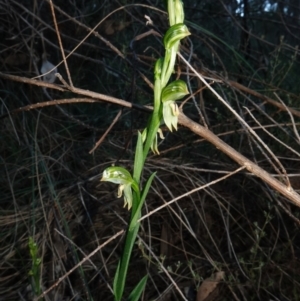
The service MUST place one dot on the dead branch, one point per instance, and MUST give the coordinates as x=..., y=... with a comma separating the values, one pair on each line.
x=201, y=131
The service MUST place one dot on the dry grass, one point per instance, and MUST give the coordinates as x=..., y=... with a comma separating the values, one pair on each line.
x=50, y=187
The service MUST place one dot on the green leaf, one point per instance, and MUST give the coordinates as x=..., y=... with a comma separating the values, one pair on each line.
x=137, y=215
x=137, y=291
x=147, y=187
x=174, y=34
x=116, y=288
x=139, y=158
x=119, y=281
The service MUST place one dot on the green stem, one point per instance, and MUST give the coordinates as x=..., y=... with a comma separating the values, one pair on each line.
x=162, y=73
x=119, y=283
x=169, y=63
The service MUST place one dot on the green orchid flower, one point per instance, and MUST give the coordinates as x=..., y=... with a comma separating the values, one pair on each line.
x=171, y=42
x=121, y=176
x=154, y=145
x=170, y=112
x=170, y=94
x=176, y=12
x=127, y=194
x=174, y=34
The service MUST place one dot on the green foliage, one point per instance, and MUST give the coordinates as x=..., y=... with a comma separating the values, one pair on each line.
x=35, y=271
x=164, y=96
x=138, y=290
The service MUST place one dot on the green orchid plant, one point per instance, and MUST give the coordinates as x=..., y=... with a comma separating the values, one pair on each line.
x=35, y=271
x=165, y=111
